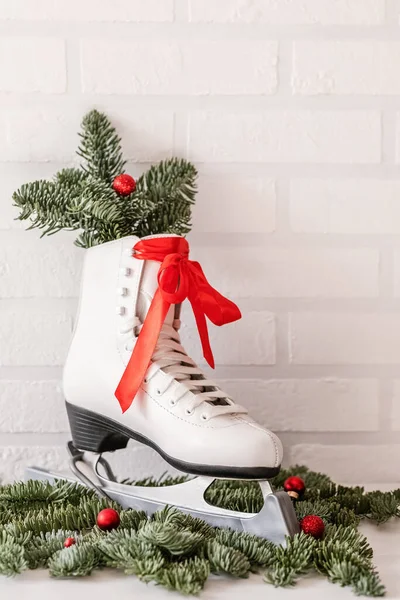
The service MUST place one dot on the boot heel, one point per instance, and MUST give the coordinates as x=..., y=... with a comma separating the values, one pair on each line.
x=93, y=432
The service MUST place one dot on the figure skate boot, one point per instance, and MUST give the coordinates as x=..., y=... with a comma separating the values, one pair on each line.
x=127, y=376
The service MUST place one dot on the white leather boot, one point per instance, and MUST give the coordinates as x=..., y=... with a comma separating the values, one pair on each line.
x=177, y=410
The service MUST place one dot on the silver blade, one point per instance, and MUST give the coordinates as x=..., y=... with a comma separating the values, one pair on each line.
x=275, y=521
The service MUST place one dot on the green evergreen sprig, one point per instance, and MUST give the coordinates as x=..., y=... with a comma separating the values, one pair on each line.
x=179, y=551
x=83, y=198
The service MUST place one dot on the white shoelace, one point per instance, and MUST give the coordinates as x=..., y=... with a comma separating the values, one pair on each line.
x=170, y=357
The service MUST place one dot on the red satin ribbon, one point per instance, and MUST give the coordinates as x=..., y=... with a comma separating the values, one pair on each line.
x=178, y=278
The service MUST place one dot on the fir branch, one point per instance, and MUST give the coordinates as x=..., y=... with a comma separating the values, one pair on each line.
x=170, y=538
x=76, y=561
x=125, y=550
x=322, y=508
x=132, y=519
x=44, y=546
x=84, y=199
x=368, y=584
x=224, y=559
x=47, y=205
x=383, y=506
x=37, y=517
x=12, y=558
x=82, y=516
x=172, y=516
x=164, y=480
x=187, y=577
x=23, y=493
x=290, y=562
x=243, y=496
x=100, y=147
x=169, y=190
x=259, y=552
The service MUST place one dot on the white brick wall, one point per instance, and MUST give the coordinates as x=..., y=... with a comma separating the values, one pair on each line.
x=352, y=206
x=341, y=67
x=124, y=11
x=39, y=68
x=289, y=12
x=290, y=110
x=167, y=68
x=285, y=136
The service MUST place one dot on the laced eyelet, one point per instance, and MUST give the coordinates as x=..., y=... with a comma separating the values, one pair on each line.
x=204, y=417
x=158, y=392
x=172, y=402
x=145, y=380
x=189, y=412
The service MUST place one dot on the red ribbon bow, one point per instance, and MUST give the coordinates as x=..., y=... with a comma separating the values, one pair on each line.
x=178, y=278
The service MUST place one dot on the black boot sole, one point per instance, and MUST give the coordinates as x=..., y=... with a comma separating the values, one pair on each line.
x=95, y=433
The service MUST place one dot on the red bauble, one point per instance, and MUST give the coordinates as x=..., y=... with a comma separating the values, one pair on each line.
x=294, y=486
x=124, y=184
x=70, y=541
x=108, y=519
x=313, y=525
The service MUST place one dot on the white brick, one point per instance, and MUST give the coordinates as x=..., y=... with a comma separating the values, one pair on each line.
x=291, y=272
x=354, y=206
x=309, y=404
x=45, y=134
x=349, y=464
x=235, y=204
x=32, y=335
x=171, y=68
x=89, y=10
x=396, y=272
x=395, y=414
x=32, y=406
x=250, y=341
x=286, y=136
x=357, y=338
x=32, y=65
x=342, y=67
x=15, y=459
x=289, y=12
x=37, y=134
x=398, y=138
x=39, y=268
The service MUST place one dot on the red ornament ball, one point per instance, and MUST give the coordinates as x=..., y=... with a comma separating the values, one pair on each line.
x=108, y=519
x=124, y=184
x=70, y=541
x=313, y=525
x=294, y=486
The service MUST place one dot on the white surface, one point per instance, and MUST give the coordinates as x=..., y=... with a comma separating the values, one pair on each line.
x=108, y=584
x=290, y=108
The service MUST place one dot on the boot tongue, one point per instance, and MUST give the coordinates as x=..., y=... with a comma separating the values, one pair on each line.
x=148, y=288
x=143, y=305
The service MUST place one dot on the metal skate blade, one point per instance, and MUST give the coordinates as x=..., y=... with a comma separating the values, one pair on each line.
x=275, y=521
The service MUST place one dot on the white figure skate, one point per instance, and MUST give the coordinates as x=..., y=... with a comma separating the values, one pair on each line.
x=127, y=332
